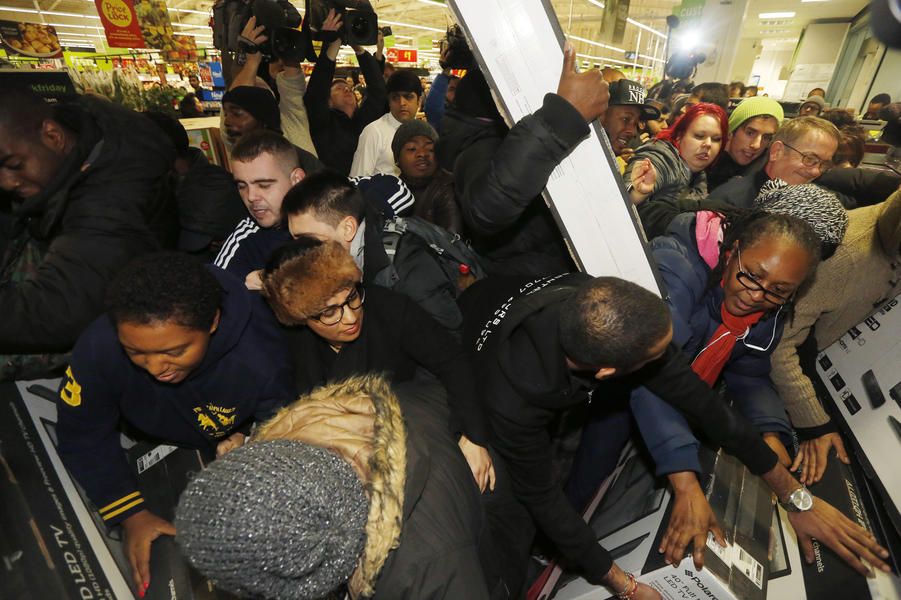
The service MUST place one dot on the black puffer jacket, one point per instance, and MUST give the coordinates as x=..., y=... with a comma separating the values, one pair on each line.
x=499, y=180
x=100, y=211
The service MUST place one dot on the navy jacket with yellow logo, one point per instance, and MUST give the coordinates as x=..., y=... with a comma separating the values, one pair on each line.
x=245, y=376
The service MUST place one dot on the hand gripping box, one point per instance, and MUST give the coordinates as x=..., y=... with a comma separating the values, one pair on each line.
x=630, y=514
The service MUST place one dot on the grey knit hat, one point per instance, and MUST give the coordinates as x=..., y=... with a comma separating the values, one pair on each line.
x=411, y=129
x=277, y=519
x=809, y=202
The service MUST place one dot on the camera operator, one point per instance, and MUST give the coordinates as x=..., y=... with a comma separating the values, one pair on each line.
x=290, y=82
x=335, y=120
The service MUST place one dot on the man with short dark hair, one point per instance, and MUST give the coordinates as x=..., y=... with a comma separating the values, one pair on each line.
x=373, y=154
x=878, y=102
x=335, y=120
x=265, y=166
x=712, y=92
x=88, y=180
x=545, y=346
x=327, y=206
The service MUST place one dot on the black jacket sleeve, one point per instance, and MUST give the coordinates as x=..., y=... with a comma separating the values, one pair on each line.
x=376, y=102
x=672, y=379
x=434, y=348
x=319, y=88
x=498, y=184
x=865, y=186
x=521, y=438
x=88, y=433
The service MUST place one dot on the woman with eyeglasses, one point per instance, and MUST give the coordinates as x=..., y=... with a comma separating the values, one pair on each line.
x=668, y=175
x=730, y=280
x=338, y=329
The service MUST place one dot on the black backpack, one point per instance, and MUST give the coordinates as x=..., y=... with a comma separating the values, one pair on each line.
x=425, y=264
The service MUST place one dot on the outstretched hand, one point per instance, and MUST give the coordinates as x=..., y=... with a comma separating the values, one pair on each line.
x=831, y=528
x=587, y=92
x=813, y=456
x=253, y=33
x=689, y=522
x=140, y=530
x=643, y=179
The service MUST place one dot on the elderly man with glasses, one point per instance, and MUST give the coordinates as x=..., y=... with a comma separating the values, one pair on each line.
x=800, y=152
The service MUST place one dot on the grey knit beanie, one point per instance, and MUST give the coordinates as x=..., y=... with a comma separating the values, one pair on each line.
x=277, y=519
x=411, y=129
x=809, y=202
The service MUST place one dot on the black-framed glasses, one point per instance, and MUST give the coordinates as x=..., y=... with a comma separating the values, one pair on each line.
x=333, y=314
x=750, y=283
x=809, y=159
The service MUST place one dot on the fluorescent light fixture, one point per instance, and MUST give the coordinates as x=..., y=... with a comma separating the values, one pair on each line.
x=398, y=24
x=596, y=3
x=32, y=11
x=434, y=3
x=777, y=15
x=804, y=1
x=612, y=60
x=593, y=43
x=189, y=26
x=73, y=26
x=645, y=27
x=193, y=12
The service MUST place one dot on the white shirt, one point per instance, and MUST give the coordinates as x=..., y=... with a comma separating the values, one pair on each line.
x=373, y=153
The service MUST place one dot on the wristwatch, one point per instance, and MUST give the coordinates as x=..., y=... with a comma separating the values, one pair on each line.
x=799, y=500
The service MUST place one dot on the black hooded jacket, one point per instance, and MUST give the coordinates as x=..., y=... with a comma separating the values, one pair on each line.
x=109, y=202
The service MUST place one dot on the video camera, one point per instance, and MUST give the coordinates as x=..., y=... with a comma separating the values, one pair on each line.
x=682, y=65
x=360, y=23
x=280, y=19
x=455, y=50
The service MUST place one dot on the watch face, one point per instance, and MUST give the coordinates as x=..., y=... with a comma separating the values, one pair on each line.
x=801, y=499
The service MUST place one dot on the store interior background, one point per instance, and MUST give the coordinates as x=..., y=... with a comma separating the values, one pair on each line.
x=785, y=47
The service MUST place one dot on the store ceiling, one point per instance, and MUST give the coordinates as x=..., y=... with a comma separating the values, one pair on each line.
x=77, y=20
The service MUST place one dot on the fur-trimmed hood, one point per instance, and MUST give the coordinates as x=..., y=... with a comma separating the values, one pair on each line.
x=360, y=420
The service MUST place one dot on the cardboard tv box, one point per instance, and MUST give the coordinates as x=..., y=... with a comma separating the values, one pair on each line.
x=630, y=514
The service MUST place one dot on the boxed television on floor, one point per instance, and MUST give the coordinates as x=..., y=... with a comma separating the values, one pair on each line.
x=630, y=514
x=861, y=374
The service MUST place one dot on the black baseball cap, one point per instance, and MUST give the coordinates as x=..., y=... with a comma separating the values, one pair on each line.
x=631, y=93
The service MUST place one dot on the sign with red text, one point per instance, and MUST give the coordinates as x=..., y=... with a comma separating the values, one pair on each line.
x=398, y=55
x=120, y=23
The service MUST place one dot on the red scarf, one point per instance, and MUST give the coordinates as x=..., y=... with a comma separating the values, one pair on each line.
x=709, y=363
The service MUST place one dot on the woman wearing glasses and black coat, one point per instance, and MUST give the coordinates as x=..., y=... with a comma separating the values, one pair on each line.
x=730, y=280
x=338, y=329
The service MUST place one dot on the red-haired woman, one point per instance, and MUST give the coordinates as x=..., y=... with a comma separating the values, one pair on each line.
x=666, y=177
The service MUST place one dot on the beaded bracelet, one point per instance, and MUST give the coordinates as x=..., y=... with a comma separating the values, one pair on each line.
x=630, y=590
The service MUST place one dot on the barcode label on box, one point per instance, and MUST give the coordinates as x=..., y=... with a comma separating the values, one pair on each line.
x=154, y=456
x=748, y=565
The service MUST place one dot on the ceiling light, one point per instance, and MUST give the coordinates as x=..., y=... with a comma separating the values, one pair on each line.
x=32, y=11
x=596, y=3
x=193, y=12
x=593, y=43
x=75, y=26
x=777, y=15
x=612, y=60
x=803, y=1
x=398, y=24
x=645, y=27
x=190, y=26
x=434, y=3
